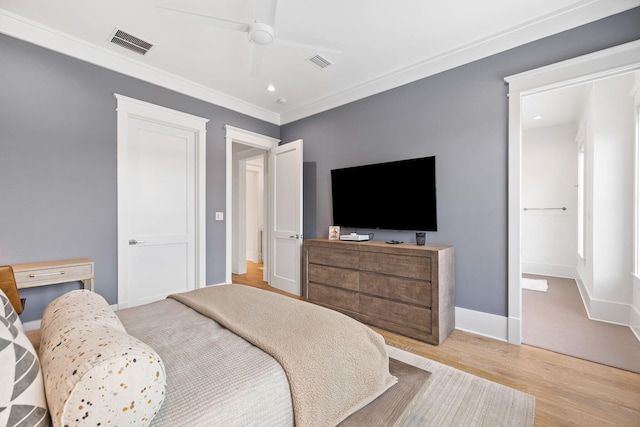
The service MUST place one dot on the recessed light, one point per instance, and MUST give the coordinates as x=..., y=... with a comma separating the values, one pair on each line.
x=537, y=117
x=271, y=88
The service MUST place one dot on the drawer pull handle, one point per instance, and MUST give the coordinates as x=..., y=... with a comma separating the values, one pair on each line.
x=57, y=273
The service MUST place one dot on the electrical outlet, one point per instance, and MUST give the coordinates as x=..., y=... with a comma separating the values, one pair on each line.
x=219, y=216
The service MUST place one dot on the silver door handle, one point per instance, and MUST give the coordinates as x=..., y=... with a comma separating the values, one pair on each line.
x=296, y=236
x=135, y=242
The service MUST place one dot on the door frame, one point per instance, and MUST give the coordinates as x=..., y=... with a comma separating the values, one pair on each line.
x=605, y=63
x=250, y=139
x=128, y=108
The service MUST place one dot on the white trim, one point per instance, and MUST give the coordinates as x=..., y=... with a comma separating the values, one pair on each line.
x=252, y=139
x=580, y=13
x=479, y=323
x=132, y=108
x=604, y=311
x=33, y=324
x=554, y=270
x=605, y=63
x=634, y=311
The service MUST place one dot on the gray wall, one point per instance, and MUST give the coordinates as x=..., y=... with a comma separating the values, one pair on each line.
x=58, y=163
x=461, y=117
x=58, y=156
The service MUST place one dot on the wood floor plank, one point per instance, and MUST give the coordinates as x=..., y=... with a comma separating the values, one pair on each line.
x=568, y=391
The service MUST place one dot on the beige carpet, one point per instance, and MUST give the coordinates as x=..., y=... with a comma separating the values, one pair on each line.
x=456, y=398
x=556, y=320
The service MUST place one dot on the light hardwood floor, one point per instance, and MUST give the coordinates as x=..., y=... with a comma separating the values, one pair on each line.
x=568, y=391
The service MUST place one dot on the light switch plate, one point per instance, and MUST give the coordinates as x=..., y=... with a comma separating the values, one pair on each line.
x=219, y=216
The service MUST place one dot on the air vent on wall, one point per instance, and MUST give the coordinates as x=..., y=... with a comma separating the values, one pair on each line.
x=319, y=61
x=130, y=42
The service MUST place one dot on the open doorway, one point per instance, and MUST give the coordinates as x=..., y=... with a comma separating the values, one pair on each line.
x=283, y=197
x=249, y=207
x=244, y=146
x=577, y=181
x=599, y=65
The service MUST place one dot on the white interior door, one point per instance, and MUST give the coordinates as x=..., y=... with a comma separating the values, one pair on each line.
x=160, y=209
x=285, y=171
x=161, y=218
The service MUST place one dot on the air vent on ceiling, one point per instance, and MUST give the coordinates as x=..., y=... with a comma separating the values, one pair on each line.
x=319, y=61
x=130, y=42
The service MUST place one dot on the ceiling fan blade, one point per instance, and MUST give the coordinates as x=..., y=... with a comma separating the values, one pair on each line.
x=256, y=59
x=209, y=20
x=266, y=11
x=291, y=39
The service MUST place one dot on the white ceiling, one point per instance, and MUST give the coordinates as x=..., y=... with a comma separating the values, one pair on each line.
x=382, y=44
x=556, y=107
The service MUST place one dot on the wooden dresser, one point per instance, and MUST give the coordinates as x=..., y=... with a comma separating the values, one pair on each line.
x=402, y=288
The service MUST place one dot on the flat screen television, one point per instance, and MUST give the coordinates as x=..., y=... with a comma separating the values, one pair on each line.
x=398, y=195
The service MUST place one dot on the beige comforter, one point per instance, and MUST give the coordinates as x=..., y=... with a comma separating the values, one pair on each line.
x=335, y=365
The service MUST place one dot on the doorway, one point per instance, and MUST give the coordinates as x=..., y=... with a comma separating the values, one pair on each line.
x=577, y=158
x=599, y=65
x=249, y=207
x=243, y=145
x=283, y=195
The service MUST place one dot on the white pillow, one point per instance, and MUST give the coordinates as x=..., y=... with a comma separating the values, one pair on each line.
x=94, y=372
x=22, y=396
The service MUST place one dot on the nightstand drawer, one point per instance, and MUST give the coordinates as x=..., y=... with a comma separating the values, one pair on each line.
x=48, y=273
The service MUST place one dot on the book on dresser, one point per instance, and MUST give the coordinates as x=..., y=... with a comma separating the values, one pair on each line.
x=403, y=288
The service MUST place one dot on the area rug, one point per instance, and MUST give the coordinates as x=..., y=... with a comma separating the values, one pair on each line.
x=456, y=398
x=539, y=285
x=557, y=320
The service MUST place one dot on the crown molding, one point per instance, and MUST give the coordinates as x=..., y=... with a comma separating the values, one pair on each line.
x=580, y=13
x=33, y=32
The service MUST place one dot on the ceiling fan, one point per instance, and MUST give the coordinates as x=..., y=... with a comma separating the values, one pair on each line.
x=260, y=32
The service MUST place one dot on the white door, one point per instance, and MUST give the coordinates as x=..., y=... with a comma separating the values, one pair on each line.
x=285, y=172
x=160, y=210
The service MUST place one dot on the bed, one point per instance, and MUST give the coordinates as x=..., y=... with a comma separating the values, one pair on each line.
x=225, y=355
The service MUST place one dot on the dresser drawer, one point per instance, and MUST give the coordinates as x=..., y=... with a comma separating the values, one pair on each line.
x=336, y=258
x=338, y=277
x=411, y=291
x=418, y=318
x=333, y=297
x=396, y=265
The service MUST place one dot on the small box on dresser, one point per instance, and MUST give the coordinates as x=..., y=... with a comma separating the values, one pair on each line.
x=404, y=288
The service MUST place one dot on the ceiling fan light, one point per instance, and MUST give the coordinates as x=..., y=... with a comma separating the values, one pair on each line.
x=260, y=33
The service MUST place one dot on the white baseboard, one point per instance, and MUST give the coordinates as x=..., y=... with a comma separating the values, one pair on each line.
x=553, y=270
x=604, y=311
x=33, y=324
x=479, y=323
x=634, y=321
